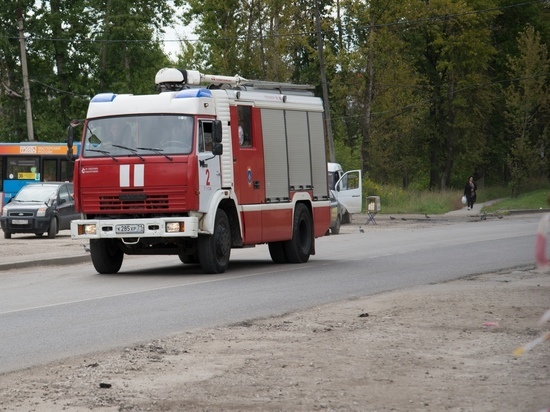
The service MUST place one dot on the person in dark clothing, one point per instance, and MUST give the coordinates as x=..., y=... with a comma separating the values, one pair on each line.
x=470, y=192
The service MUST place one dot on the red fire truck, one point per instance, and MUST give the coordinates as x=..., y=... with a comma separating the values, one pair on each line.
x=208, y=164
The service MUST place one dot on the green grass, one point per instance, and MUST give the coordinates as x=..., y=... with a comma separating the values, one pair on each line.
x=398, y=201
x=537, y=199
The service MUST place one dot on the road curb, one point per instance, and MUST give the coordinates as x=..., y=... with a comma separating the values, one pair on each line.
x=70, y=260
x=525, y=211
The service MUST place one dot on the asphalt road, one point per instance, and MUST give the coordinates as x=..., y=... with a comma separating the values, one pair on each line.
x=48, y=313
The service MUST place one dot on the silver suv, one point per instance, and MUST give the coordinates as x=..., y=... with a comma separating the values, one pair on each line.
x=39, y=208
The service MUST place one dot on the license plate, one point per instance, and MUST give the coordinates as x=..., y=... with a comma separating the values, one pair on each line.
x=130, y=228
x=20, y=222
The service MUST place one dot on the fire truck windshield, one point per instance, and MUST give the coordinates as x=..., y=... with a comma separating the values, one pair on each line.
x=143, y=135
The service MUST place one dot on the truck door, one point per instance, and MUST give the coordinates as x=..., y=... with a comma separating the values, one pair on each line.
x=209, y=166
x=248, y=159
x=349, y=191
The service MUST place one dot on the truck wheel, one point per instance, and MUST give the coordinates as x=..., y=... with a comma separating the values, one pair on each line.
x=336, y=228
x=277, y=252
x=52, y=230
x=214, y=250
x=106, y=255
x=7, y=235
x=299, y=248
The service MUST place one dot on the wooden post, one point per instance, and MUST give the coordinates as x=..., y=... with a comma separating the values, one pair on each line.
x=26, y=88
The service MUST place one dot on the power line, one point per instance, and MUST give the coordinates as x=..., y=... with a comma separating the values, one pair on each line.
x=59, y=90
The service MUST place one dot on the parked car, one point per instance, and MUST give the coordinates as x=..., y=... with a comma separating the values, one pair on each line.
x=336, y=214
x=39, y=208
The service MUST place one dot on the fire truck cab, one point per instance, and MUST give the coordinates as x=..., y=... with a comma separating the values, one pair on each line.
x=208, y=164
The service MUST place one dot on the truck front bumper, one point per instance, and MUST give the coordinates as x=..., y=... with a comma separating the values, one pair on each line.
x=135, y=228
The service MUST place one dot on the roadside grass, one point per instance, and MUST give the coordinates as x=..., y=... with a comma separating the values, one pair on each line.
x=398, y=201
x=537, y=199
x=395, y=200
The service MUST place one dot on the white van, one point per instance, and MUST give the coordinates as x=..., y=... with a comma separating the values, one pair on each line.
x=347, y=189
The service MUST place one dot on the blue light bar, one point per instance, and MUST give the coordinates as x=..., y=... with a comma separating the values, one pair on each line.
x=193, y=93
x=103, y=97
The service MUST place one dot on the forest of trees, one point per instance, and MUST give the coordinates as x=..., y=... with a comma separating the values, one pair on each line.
x=423, y=93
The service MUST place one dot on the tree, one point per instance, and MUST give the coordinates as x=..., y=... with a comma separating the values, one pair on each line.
x=263, y=40
x=454, y=60
x=528, y=109
x=12, y=113
x=72, y=47
x=129, y=56
x=512, y=20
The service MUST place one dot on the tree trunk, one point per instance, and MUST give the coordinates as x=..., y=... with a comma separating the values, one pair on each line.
x=368, y=104
x=450, y=137
x=59, y=55
x=104, y=45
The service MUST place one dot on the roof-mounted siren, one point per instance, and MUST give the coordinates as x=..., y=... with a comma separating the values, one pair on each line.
x=169, y=79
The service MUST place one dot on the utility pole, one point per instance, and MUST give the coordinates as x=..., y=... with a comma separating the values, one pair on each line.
x=26, y=88
x=326, y=103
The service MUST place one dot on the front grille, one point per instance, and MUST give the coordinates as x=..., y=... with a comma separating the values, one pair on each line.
x=21, y=214
x=150, y=201
x=113, y=203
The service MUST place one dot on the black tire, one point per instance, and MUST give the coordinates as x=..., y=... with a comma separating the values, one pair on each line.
x=214, y=250
x=7, y=235
x=39, y=234
x=336, y=229
x=106, y=255
x=52, y=230
x=346, y=218
x=298, y=249
x=277, y=252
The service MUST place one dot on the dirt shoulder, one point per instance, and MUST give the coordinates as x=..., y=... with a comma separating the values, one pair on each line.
x=432, y=348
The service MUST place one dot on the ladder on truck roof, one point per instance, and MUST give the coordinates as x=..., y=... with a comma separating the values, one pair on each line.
x=170, y=79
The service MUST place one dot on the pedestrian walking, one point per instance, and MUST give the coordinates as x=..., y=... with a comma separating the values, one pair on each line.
x=470, y=192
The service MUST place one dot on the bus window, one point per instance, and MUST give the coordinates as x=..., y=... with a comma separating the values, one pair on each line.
x=67, y=170
x=50, y=170
x=23, y=168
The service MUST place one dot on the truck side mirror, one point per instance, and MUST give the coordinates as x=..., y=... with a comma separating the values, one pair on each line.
x=217, y=131
x=70, y=144
x=217, y=149
x=70, y=139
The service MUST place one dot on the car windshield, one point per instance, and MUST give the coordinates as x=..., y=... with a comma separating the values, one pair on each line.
x=138, y=135
x=37, y=193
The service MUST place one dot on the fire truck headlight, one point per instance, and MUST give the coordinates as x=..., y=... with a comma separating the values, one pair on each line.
x=174, y=227
x=89, y=229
